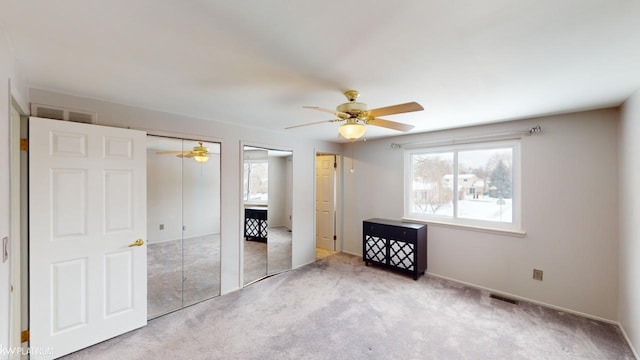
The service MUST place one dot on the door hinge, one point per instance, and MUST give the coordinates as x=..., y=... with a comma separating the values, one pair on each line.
x=24, y=144
x=335, y=237
x=335, y=165
x=24, y=336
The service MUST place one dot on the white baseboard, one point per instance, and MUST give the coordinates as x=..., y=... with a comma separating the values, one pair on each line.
x=351, y=253
x=624, y=333
x=522, y=298
x=305, y=264
x=178, y=239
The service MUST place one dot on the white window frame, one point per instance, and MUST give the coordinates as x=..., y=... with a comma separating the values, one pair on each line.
x=513, y=226
x=245, y=191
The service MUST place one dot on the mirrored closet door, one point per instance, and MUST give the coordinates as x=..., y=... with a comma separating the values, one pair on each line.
x=183, y=223
x=267, y=216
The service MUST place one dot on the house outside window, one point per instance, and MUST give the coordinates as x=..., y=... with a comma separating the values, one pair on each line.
x=471, y=184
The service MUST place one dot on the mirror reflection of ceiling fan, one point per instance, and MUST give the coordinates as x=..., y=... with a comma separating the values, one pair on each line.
x=357, y=116
x=200, y=153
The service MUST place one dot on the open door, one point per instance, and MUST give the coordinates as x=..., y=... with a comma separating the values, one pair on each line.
x=326, y=202
x=87, y=226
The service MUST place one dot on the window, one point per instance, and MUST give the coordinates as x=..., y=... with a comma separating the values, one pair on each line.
x=473, y=184
x=256, y=181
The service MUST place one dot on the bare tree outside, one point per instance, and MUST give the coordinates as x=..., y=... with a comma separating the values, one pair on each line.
x=431, y=192
x=488, y=198
x=481, y=184
x=256, y=180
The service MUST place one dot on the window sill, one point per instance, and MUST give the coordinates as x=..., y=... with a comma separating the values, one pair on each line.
x=506, y=232
x=255, y=204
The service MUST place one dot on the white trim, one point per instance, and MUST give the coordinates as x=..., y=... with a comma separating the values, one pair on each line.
x=490, y=230
x=15, y=236
x=454, y=220
x=241, y=243
x=624, y=333
x=178, y=135
x=351, y=253
x=509, y=135
x=522, y=298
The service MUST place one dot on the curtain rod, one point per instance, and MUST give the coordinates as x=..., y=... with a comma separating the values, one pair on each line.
x=510, y=135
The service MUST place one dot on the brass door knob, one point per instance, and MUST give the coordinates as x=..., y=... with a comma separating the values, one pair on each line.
x=138, y=242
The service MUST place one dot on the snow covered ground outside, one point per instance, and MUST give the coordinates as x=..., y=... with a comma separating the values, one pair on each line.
x=486, y=208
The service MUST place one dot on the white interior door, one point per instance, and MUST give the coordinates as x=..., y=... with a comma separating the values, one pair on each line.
x=325, y=202
x=87, y=204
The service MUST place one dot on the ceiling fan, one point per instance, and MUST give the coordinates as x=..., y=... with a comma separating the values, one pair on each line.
x=200, y=153
x=356, y=116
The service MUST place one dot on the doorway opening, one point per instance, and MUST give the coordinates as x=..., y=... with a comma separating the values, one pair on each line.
x=328, y=241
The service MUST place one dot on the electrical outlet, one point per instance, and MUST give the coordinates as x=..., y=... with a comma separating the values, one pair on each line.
x=537, y=274
x=161, y=226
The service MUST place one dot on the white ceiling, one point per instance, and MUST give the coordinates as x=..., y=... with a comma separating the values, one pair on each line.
x=256, y=63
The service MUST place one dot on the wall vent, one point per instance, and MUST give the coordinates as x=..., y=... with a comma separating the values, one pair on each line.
x=60, y=113
x=503, y=298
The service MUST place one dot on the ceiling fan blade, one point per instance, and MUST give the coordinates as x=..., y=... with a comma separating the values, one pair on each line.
x=313, y=123
x=390, y=124
x=396, y=109
x=186, y=155
x=339, y=114
x=170, y=152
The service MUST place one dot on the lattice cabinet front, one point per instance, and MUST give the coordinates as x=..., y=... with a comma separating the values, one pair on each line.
x=255, y=224
x=375, y=248
x=394, y=244
x=401, y=254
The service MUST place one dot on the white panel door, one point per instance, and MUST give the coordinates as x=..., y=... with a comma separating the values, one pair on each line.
x=325, y=202
x=87, y=205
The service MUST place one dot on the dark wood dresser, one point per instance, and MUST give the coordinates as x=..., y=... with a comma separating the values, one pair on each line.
x=255, y=223
x=395, y=244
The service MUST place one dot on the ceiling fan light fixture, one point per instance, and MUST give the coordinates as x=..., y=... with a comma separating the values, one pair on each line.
x=201, y=158
x=352, y=130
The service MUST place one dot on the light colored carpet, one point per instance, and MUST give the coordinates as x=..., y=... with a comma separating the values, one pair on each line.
x=181, y=273
x=255, y=261
x=336, y=308
x=278, y=250
x=271, y=257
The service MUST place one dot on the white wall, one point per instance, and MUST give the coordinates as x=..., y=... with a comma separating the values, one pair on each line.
x=230, y=137
x=201, y=197
x=11, y=84
x=629, y=215
x=182, y=193
x=277, y=191
x=569, y=211
x=164, y=197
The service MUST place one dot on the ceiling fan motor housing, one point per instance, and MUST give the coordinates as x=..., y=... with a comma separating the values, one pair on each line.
x=357, y=110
